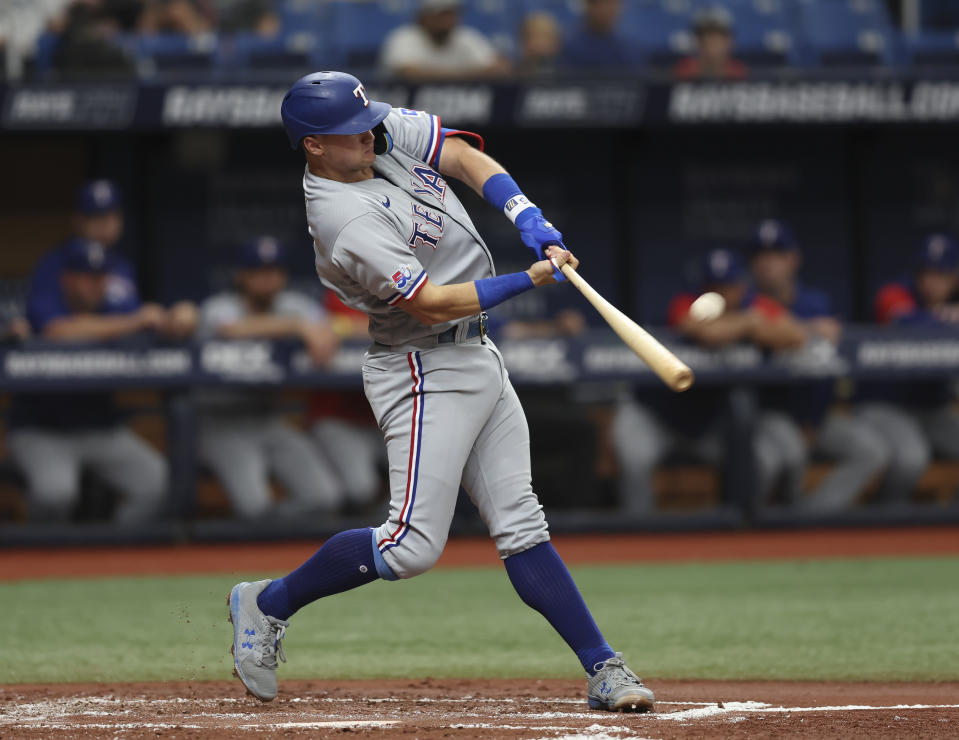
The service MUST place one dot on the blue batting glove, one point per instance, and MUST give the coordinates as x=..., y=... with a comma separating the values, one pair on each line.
x=538, y=233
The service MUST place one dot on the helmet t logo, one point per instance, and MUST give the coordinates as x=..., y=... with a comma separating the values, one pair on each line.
x=360, y=92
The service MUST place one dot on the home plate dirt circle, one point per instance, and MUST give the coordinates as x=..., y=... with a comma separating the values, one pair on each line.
x=477, y=709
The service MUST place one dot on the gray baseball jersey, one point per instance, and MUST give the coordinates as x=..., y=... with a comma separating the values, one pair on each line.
x=378, y=241
x=447, y=410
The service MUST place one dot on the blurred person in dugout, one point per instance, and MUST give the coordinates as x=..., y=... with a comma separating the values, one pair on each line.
x=98, y=217
x=243, y=437
x=860, y=453
x=438, y=47
x=650, y=425
x=598, y=42
x=343, y=424
x=55, y=436
x=713, y=30
x=916, y=418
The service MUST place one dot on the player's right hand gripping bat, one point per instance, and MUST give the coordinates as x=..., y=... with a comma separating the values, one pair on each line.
x=661, y=361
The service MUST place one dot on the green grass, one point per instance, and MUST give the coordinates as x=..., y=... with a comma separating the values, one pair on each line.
x=876, y=619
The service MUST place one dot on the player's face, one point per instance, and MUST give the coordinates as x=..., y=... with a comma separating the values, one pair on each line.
x=105, y=228
x=347, y=157
x=775, y=269
x=262, y=284
x=84, y=292
x=936, y=287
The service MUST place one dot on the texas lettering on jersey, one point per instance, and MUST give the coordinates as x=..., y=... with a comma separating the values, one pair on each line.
x=427, y=181
x=427, y=227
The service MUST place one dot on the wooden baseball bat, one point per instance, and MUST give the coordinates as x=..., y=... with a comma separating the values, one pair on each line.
x=661, y=361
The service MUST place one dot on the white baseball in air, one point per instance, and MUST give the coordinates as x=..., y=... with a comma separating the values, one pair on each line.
x=707, y=307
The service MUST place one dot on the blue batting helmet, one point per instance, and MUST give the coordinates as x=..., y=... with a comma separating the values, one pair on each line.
x=331, y=103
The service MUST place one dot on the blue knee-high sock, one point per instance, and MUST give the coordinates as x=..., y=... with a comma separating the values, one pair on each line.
x=541, y=579
x=345, y=561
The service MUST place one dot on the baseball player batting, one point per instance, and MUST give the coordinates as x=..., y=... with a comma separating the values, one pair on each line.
x=393, y=240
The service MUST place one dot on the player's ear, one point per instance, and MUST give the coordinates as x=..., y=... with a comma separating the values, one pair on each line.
x=312, y=146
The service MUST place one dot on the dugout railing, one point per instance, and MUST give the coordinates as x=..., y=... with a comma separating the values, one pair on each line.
x=576, y=374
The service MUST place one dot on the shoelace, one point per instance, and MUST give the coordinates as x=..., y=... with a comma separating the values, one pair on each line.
x=614, y=678
x=270, y=644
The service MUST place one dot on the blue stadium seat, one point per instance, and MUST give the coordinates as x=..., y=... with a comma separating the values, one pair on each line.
x=849, y=32
x=497, y=20
x=172, y=52
x=45, y=48
x=360, y=26
x=252, y=51
x=661, y=30
x=933, y=48
x=764, y=31
x=939, y=14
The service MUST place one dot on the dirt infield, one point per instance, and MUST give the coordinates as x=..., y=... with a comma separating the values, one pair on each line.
x=460, y=708
x=478, y=709
x=17, y=564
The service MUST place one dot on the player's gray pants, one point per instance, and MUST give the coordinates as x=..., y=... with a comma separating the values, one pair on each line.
x=354, y=451
x=451, y=417
x=860, y=455
x=641, y=441
x=908, y=448
x=782, y=453
x=243, y=451
x=52, y=462
x=941, y=426
x=912, y=436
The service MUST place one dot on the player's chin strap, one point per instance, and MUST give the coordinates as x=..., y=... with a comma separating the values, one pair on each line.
x=382, y=141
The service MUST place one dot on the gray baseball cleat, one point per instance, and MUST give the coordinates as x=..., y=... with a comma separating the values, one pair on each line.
x=615, y=688
x=256, y=640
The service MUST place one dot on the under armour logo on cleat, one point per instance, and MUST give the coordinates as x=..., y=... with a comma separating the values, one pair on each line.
x=604, y=689
x=249, y=632
x=247, y=645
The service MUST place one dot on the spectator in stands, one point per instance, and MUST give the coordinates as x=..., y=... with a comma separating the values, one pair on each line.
x=713, y=28
x=540, y=44
x=174, y=16
x=649, y=428
x=87, y=48
x=54, y=436
x=98, y=216
x=438, y=47
x=243, y=437
x=258, y=16
x=343, y=424
x=917, y=419
x=861, y=455
x=598, y=43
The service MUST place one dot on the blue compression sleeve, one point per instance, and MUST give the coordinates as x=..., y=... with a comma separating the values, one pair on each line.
x=499, y=189
x=494, y=290
x=502, y=191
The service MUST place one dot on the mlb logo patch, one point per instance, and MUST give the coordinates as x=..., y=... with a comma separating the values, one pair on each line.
x=401, y=277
